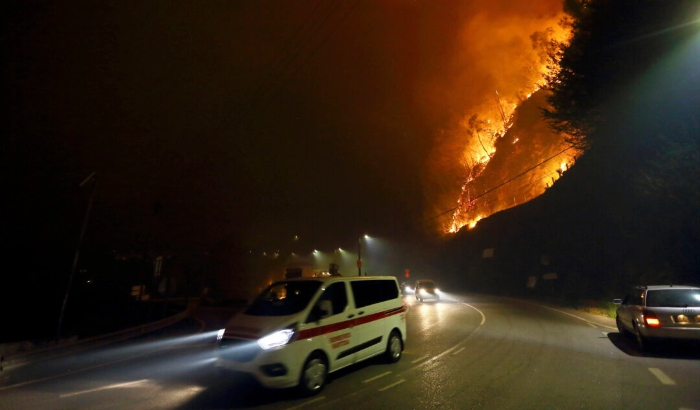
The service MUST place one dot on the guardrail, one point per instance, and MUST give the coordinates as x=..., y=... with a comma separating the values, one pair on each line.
x=16, y=354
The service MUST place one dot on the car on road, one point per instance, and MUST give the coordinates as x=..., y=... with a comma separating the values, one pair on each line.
x=299, y=330
x=426, y=289
x=655, y=313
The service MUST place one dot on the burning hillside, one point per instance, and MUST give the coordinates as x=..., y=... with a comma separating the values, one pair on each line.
x=500, y=152
x=523, y=162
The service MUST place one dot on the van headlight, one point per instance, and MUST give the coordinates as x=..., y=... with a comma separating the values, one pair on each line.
x=276, y=339
x=220, y=334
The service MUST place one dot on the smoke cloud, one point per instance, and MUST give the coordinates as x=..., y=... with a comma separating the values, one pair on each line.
x=498, y=61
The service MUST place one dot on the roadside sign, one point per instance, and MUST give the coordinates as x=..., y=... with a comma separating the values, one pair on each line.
x=157, y=266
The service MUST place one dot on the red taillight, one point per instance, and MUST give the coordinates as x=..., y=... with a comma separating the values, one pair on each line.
x=650, y=319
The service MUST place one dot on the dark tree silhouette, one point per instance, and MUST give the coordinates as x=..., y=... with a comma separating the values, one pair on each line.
x=628, y=92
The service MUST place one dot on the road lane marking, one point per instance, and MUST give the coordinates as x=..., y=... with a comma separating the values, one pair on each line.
x=392, y=385
x=419, y=359
x=663, y=378
x=111, y=386
x=483, y=317
x=379, y=376
x=431, y=365
x=592, y=325
x=306, y=403
x=432, y=362
x=572, y=315
x=458, y=351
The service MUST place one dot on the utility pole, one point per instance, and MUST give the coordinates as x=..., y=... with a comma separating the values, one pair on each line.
x=92, y=177
x=359, y=256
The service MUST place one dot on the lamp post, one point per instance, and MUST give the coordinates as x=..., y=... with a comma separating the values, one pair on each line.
x=91, y=178
x=359, y=256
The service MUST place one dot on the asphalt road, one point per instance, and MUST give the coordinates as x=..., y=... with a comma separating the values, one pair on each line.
x=464, y=352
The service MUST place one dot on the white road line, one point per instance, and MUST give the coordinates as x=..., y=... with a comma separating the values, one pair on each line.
x=483, y=317
x=458, y=351
x=419, y=359
x=663, y=378
x=430, y=363
x=577, y=317
x=392, y=385
x=379, y=376
x=111, y=386
x=306, y=403
x=592, y=325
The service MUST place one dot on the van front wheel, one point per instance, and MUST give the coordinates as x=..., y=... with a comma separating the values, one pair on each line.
x=313, y=375
x=394, y=347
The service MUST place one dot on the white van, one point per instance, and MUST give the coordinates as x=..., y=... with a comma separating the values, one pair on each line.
x=299, y=330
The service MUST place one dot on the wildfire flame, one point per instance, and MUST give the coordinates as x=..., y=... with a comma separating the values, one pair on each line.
x=509, y=154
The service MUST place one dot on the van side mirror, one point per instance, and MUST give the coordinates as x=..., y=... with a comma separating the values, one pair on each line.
x=617, y=301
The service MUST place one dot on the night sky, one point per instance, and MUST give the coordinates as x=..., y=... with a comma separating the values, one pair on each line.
x=254, y=120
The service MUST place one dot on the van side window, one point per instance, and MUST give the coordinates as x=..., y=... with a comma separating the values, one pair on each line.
x=332, y=301
x=338, y=296
x=369, y=292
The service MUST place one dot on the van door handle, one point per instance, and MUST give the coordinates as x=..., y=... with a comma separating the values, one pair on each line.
x=361, y=313
x=351, y=316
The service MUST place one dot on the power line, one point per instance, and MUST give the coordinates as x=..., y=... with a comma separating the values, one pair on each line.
x=503, y=183
x=524, y=186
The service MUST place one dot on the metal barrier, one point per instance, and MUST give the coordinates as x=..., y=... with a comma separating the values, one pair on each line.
x=27, y=351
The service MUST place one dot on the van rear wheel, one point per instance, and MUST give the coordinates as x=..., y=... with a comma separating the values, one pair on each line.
x=313, y=375
x=394, y=347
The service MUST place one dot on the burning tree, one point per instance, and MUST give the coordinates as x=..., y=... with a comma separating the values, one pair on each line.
x=506, y=159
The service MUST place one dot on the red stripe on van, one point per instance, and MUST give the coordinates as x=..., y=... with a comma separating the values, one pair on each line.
x=322, y=330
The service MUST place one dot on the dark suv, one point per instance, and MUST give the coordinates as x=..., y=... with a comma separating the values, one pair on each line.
x=652, y=313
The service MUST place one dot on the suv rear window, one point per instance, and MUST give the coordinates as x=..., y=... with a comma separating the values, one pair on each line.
x=673, y=298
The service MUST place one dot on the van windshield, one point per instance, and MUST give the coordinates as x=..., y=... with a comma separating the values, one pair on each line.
x=283, y=298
